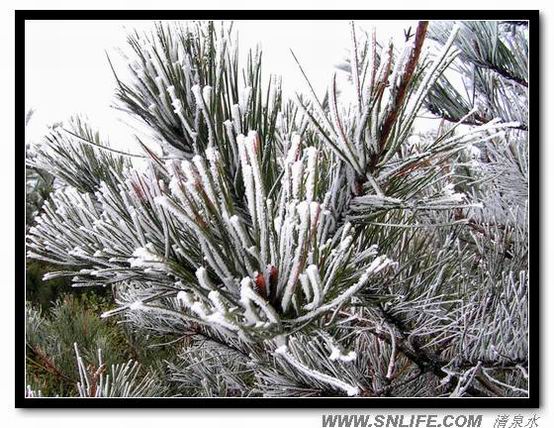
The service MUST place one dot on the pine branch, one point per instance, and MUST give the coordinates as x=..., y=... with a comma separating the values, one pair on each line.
x=405, y=80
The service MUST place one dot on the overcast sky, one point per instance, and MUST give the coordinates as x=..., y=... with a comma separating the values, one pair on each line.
x=66, y=70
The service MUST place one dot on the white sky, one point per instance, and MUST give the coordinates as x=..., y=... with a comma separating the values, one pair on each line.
x=67, y=73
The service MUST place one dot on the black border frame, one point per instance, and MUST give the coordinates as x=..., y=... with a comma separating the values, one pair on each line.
x=21, y=16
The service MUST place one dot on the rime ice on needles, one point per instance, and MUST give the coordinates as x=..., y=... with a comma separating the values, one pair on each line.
x=338, y=354
x=144, y=257
x=256, y=222
x=337, y=383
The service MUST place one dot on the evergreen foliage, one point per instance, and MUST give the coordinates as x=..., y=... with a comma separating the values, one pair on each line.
x=56, y=367
x=304, y=247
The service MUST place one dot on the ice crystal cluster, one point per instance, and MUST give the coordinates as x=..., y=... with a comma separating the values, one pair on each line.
x=313, y=246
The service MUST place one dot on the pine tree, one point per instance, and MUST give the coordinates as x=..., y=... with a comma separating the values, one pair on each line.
x=57, y=320
x=307, y=246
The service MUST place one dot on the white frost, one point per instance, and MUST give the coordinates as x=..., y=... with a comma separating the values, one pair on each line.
x=145, y=257
x=338, y=354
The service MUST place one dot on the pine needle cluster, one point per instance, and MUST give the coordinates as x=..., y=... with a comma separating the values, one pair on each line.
x=306, y=246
